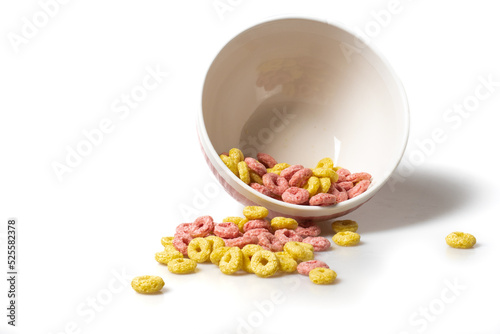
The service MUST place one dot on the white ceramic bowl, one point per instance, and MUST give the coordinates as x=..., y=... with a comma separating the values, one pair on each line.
x=298, y=90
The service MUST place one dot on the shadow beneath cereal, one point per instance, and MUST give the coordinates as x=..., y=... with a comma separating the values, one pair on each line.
x=423, y=196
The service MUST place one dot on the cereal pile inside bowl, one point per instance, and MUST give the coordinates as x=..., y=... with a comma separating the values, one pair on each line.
x=322, y=186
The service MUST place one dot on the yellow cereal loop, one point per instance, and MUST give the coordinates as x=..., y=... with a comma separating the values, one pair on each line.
x=324, y=184
x=236, y=155
x=264, y=263
x=312, y=186
x=324, y=163
x=299, y=251
x=346, y=238
x=217, y=254
x=460, y=240
x=244, y=172
x=215, y=242
x=231, y=261
x=248, y=251
x=165, y=256
x=229, y=164
x=284, y=222
x=147, y=284
x=199, y=250
x=236, y=220
x=336, y=168
x=324, y=172
x=167, y=241
x=278, y=168
x=255, y=212
x=181, y=266
x=322, y=275
x=286, y=262
x=255, y=178
x=344, y=225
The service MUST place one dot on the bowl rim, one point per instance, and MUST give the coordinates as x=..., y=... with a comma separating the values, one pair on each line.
x=306, y=209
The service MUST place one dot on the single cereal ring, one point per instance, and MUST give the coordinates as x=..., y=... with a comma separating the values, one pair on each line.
x=356, y=177
x=358, y=189
x=346, y=238
x=239, y=221
x=266, y=240
x=305, y=267
x=344, y=225
x=324, y=184
x=202, y=226
x=266, y=160
x=285, y=235
x=299, y=251
x=460, y=240
x=286, y=262
x=256, y=166
x=255, y=178
x=182, y=266
x=199, y=250
x=184, y=228
x=324, y=172
x=277, y=245
x=312, y=230
x=295, y=195
x=255, y=212
x=215, y=242
x=147, y=284
x=342, y=196
x=344, y=185
x=241, y=242
x=320, y=244
x=255, y=232
x=278, y=168
x=167, y=241
x=229, y=164
x=278, y=223
x=256, y=223
x=227, y=230
x=275, y=183
x=217, y=254
x=166, y=256
x=244, y=172
x=288, y=172
x=343, y=172
x=262, y=189
x=323, y=199
x=322, y=275
x=264, y=263
x=236, y=155
x=300, y=178
x=231, y=261
x=248, y=251
x=181, y=242
x=325, y=163
x=312, y=185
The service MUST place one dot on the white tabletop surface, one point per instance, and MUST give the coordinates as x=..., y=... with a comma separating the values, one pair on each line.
x=82, y=237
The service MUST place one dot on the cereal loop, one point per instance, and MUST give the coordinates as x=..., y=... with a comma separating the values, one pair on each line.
x=298, y=251
x=229, y=164
x=324, y=172
x=181, y=266
x=199, y=250
x=286, y=235
x=256, y=166
x=227, y=230
x=248, y=251
x=344, y=225
x=262, y=189
x=255, y=178
x=322, y=275
x=294, y=195
x=266, y=160
x=217, y=254
x=244, y=172
x=319, y=244
x=236, y=155
x=325, y=163
x=286, y=262
x=278, y=168
x=202, y=226
x=264, y=263
x=322, y=199
x=147, y=284
x=346, y=238
x=167, y=241
x=300, y=178
x=311, y=230
x=166, y=256
x=312, y=186
x=275, y=183
x=181, y=242
x=278, y=223
x=324, y=184
x=305, y=267
x=255, y=212
x=288, y=172
x=215, y=242
x=239, y=221
x=241, y=242
x=231, y=261
x=358, y=189
x=256, y=223
x=356, y=177
x=460, y=240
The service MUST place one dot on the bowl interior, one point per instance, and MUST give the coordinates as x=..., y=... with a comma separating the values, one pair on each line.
x=300, y=91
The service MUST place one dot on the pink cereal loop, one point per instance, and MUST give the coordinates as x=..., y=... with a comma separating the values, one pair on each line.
x=267, y=160
x=275, y=183
x=202, y=226
x=356, y=177
x=227, y=230
x=342, y=196
x=346, y=185
x=319, y=243
x=266, y=240
x=181, y=242
x=344, y=172
x=256, y=166
x=262, y=189
x=323, y=199
x=285, y=235
x=288, y=172
x=184, y=228
x=241, y=242
x=358, y=189
x=299, y=179
x=310, y=231
x=255, y=232
x=294, y=195
x=256, y=224
x=305, y=267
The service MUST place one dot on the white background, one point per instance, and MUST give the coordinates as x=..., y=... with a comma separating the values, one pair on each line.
x=105, y=218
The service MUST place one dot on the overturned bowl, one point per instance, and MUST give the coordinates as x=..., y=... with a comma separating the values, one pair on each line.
x=301, y=90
